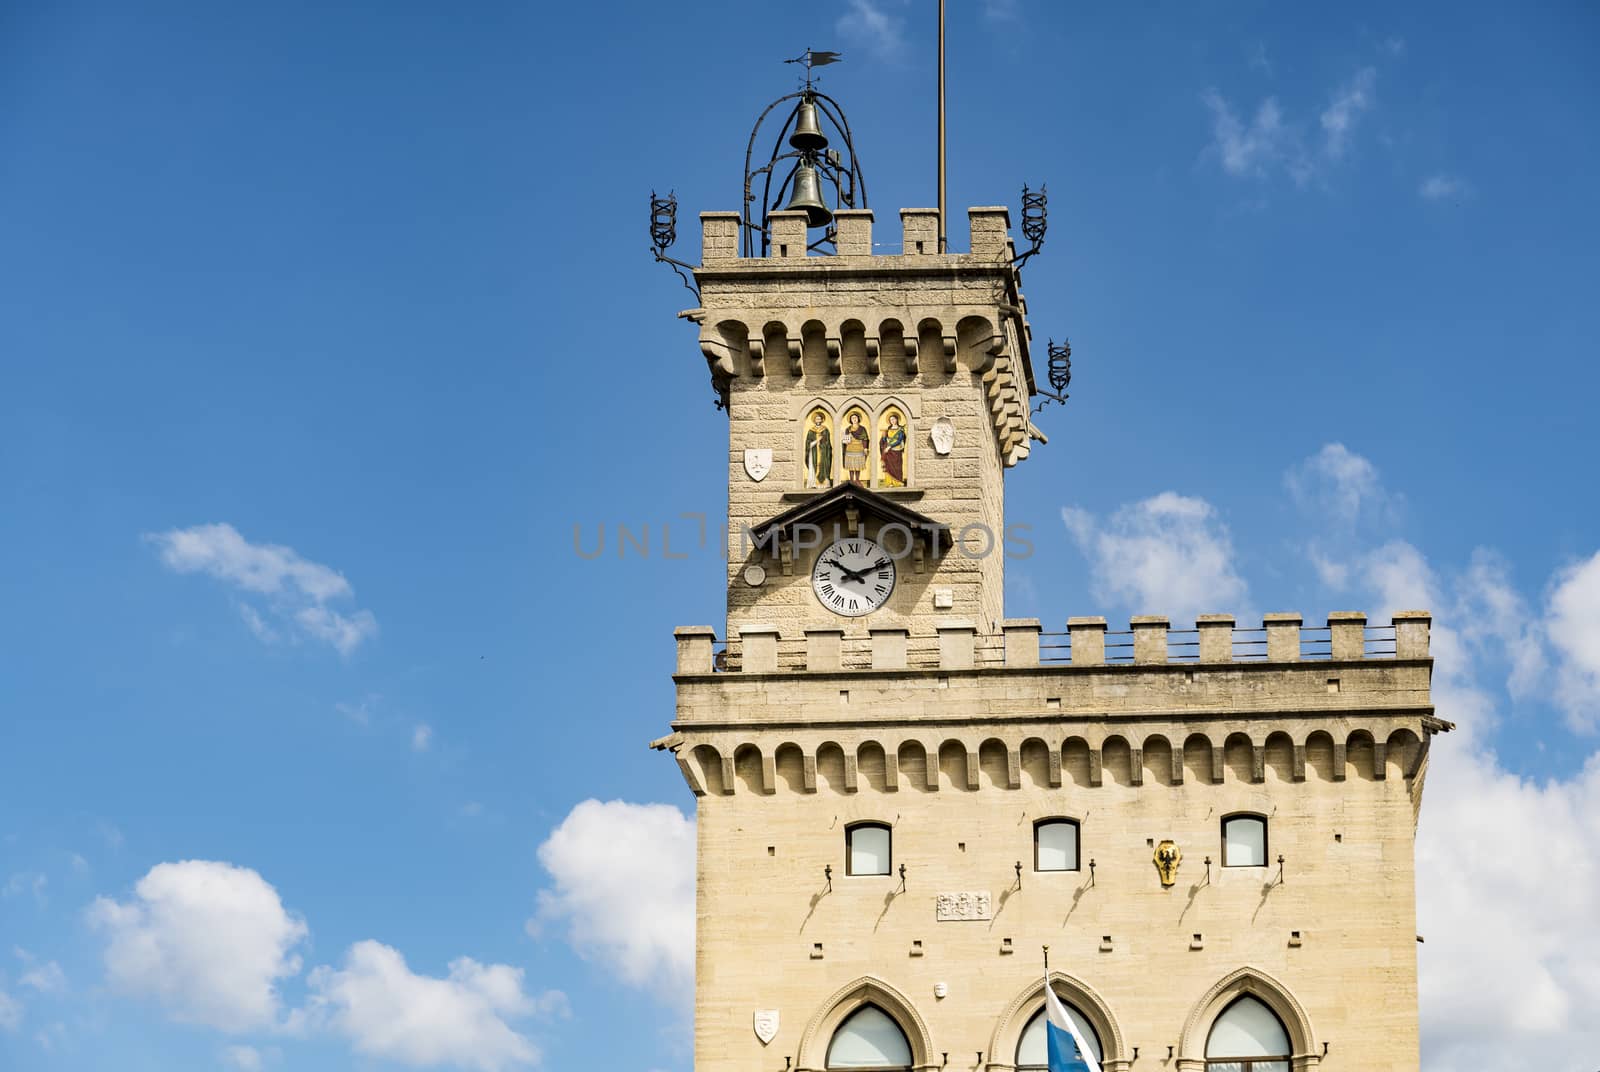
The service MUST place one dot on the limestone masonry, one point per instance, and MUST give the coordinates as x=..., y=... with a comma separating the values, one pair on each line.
x=902, y=794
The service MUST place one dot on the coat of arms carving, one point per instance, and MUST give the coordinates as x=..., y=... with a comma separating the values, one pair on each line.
x=1166, y=858
x=758, y=463
x=766, y=1024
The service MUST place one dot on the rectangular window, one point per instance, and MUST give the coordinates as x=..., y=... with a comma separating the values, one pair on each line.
x=1055, y=845
x=867, y=849
x=1244, y=841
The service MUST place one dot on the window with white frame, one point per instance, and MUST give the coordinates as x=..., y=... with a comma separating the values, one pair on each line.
x=1244, y=841
x=869, y=1038
x=1248, y=1037
x=1055, y=845
x=866, y=849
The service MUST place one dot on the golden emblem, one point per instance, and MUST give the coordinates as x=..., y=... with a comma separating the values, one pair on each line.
x=1167, y=857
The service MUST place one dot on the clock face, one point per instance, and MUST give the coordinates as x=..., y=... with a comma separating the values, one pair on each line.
x=853, y=577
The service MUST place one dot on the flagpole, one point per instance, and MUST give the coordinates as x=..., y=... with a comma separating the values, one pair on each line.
x=942, y=231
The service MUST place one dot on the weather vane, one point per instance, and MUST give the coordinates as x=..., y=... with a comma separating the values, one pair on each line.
x=812, y=58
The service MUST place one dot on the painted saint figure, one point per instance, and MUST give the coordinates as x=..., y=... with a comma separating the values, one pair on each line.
x=892, y=452
x=819, y=452
x=856, y=442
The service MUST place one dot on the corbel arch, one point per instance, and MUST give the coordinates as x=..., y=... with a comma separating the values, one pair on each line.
x=1253, y=982
x=981, y=341
x=867, y=990
x=1008, y=1030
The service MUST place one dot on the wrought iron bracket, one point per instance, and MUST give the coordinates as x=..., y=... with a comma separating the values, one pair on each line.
x=1035, y=221
x=1060, y=374
x=663, y=233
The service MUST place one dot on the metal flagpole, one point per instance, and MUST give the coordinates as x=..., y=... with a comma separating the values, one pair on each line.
x=941, y=128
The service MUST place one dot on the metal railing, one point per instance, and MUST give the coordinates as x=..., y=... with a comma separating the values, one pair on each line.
x=924, y=651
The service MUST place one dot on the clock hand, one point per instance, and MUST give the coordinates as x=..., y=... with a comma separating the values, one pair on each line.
x=849, y=574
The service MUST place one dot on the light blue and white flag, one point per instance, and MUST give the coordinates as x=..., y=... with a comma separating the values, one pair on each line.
x=1066, y=1048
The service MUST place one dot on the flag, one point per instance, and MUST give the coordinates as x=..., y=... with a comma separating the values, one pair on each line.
x=1066, y=1048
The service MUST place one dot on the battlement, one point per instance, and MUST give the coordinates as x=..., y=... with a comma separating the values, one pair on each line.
x=1023, y=643
x=990, y=225
x=919, y=319
x=972, y=711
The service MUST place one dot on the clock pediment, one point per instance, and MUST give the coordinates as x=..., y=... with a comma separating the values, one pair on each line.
x=853, y=503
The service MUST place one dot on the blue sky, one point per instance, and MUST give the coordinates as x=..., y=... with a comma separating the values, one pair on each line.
x=322, y=328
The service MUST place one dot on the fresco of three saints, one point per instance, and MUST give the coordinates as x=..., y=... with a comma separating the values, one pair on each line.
x=856, y=452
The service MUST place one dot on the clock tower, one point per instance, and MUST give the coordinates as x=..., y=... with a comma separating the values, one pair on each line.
x=902, y=796
x=874, y=402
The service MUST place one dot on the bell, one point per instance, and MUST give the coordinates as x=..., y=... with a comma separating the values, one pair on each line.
x=808, y=196
x=807, y=134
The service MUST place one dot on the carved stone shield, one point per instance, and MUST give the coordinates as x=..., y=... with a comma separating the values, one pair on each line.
x=944, y=435
x=766, y=1023
x=758, y=463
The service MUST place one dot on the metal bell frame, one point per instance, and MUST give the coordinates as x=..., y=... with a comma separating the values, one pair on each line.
x=841, y=169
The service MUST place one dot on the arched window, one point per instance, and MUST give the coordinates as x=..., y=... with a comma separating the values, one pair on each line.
x=1032, y=1048
x=1244, y=841
x=869, y=1038
x=866, y=849
x=1248, y=1037
x=1055, y=845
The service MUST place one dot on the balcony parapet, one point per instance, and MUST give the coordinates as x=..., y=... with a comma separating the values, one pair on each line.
x=1023, y=643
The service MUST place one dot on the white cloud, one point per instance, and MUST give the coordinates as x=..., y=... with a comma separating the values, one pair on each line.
x=871, y=23
x=10, y=1012
x=1573, y=628
x=1442, y=187
x=1394, y=47
x=1508, y=889
x=1340, y=117
x=1272, y=141
x=623, y=884
x=345, y=634
x=421, y=738
x=45, y=978
x=296, y=590
x=1338, y=484
x=51, y=1036
x=388, y=1011
x=359, y=713
x=1247, y=149
x=1165, y=555
x=208, y=940
x=244, y=1058
x=34, y=882
x=258, y=625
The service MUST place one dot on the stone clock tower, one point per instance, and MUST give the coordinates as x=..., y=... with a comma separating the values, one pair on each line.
x=892, y=392
x=903, y=795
